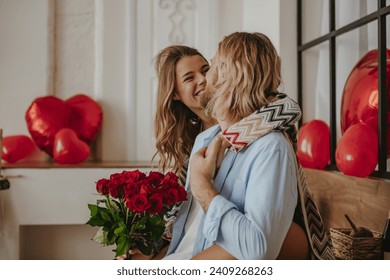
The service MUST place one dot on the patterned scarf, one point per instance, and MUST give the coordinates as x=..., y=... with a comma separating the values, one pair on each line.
x=281, y=115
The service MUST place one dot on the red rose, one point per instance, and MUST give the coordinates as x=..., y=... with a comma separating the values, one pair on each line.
x=171, y=196
x=131, y=189
x=132, y=176
x=156, y=203
x=116, y=189
x=182, y=194
x=146, y=187
x=102, y=186
x=138, y=203
x=170, y=177
x=169, y=181
x=155, y=178
x=116, y=178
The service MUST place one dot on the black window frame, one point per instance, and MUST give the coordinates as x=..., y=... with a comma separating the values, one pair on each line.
x=380, y=16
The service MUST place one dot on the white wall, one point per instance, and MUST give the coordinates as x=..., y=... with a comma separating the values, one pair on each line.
x=104, y=49
x=277, y=20
x=25, y=59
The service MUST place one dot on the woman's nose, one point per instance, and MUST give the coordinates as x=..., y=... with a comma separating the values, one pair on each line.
x=201, y=80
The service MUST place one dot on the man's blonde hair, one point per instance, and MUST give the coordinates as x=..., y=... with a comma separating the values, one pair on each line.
x=251, y=74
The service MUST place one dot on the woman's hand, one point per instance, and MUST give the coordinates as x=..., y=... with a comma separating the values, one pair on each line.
x=137, y=255
x=134, y=255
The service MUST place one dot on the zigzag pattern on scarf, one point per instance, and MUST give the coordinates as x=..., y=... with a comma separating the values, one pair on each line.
x=319, y=240
x=279, y=115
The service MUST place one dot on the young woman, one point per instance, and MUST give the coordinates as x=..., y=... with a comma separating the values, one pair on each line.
x=179, y=116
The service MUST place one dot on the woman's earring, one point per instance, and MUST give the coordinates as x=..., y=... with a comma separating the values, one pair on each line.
x=175, y=97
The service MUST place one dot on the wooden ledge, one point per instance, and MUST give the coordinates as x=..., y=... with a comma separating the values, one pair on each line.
x=365, y=200
x=87, y=164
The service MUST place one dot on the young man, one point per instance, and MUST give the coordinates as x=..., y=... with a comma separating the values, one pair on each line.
x=243, y=199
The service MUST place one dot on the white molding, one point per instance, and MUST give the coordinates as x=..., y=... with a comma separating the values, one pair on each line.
x=132, y=80
x=98, y=75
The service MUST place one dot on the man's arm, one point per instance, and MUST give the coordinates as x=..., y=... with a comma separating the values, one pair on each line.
x=214, y=252
x=258, y=230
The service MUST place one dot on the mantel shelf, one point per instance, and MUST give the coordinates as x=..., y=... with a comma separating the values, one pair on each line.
x=87, y=164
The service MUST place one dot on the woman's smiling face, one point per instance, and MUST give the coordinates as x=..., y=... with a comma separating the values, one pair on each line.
x=190, y=81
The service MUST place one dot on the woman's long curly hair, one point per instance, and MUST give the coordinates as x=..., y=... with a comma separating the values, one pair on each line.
x=175, y=125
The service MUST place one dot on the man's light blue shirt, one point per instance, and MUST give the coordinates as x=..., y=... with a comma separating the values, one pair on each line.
x=257, y=198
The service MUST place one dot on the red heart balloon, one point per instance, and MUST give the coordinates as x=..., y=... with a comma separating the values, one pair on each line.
x=17, y=147
x=87, y=118
x=359, y=103
x=357, y=150
x=47, y=115
x=313, y=150
x=68, y=148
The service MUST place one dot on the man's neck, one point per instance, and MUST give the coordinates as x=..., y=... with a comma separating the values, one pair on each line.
x=224, y=124
x=207, y=122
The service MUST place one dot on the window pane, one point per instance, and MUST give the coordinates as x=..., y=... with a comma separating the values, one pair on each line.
x=350, y=48
x=315, y=83
x=357, y=86
x=348, y=11
x=315, y=19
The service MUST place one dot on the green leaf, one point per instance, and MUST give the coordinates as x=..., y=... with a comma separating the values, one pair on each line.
x=105, y=215
x=93, y=208
x=101, y=237
x=111, y=237
x=119, y=230
x=155, y=219
x=122, y=246
x=96, y=221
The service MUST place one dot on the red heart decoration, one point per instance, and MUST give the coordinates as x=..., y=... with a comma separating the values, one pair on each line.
x=47, y=115
x=313, y=150
x=17, y=147
x=68, y=148
x=359, y=103
x=357, y=150
x=87, y=119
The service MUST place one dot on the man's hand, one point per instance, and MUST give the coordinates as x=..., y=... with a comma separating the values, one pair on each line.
x=204, y=165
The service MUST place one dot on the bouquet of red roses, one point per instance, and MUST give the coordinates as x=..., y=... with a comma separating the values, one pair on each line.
x=134, y=205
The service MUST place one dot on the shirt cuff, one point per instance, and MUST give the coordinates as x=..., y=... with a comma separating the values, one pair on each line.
x=217, y=208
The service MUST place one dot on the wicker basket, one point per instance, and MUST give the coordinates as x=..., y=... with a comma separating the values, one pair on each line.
x=346, y=247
